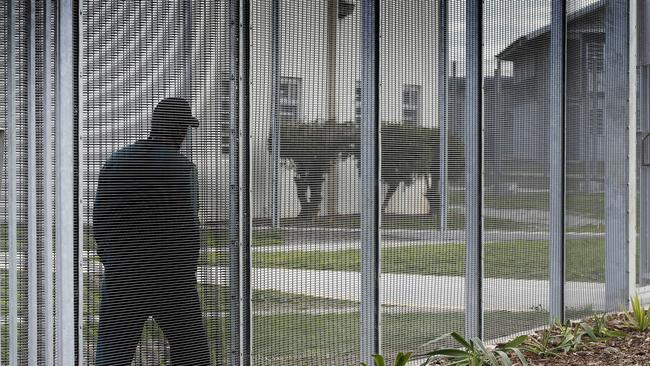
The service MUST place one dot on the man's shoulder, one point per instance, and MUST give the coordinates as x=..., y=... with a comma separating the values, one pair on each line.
x=142, y=153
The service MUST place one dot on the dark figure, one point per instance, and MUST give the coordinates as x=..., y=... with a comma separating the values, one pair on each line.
x=147, y=233
x=309, y=175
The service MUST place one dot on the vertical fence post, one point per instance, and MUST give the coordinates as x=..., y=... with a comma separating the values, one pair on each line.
x=370, y=182
x=12, y=192
x=332, y=181
x=77, y=88
x=644, y=120
x=557, y=99
x=474, y=170
x=32, y=222
x=48, y=221
x=620, y=153
x=275, y=105
x=443, y=126
x=244, y=155
x=65, y=297
x=187, y=52
x=632, y=48
x=234, y=223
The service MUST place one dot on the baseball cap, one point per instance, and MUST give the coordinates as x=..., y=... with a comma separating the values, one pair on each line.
x=175, y=110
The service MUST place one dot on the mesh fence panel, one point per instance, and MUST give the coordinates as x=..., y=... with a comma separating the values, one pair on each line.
x=134, y=56
x=21, y=33
x=4, y=296
x=157, y=257
x=585, y=240
x=516, y=81
x=423, y=265
x=306, y=270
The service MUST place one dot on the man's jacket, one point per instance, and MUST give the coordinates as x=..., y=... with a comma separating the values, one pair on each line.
x=145, y=215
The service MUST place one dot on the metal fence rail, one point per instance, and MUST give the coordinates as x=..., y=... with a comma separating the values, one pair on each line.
x=365, y=175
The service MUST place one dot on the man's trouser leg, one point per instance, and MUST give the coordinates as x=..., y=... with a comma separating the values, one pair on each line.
x=301, y=191
x=121, y=318
x=181, y=320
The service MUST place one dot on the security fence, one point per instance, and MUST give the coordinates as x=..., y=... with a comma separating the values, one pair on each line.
x=365, y=176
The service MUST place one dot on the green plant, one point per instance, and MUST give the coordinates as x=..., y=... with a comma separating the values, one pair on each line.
x=559, y=339
x=408, y=153
x=473, y=352
x=638, y=317
x=598, y=328
x=401, y=360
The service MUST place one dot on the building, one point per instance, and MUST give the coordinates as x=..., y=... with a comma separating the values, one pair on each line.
x=529, y=97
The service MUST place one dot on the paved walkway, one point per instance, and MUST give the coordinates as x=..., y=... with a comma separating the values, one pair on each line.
x=339, y=239
x=418, y=292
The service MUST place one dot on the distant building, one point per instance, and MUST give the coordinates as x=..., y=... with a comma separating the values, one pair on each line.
x=528, y=99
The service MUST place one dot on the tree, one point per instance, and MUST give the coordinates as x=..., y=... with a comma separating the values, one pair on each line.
x=310, y=148
x=408, y=153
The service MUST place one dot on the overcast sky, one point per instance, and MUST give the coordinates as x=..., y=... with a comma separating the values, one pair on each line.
x=505, y=21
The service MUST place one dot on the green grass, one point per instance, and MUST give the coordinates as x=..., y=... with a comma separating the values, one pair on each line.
x=334, y=338
x=303, y=339
x=513, y=259
x=581, y=204
x=216, y=298
x=590, y=228
x=260, y=237
x=456, y=221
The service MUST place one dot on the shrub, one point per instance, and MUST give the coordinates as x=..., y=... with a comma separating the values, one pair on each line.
x=638, y=318
x=473, y=352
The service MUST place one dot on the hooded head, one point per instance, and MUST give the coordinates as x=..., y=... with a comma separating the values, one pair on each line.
x=170, y=122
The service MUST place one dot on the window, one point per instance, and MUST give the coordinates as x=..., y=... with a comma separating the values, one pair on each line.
x=595, y=67
x=412, y=104
x=525, y=69
x=224, y=112
x=290, y=99
x=357, y=102
x=595, y=87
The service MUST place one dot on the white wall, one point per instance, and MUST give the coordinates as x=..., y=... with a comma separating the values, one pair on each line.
x=408, y=56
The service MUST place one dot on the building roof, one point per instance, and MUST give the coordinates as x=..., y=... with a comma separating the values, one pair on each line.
x=543, y=32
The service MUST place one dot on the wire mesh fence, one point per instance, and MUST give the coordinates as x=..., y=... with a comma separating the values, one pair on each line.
x=159, y=176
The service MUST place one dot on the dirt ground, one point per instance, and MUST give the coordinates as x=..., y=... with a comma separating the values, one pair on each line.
x=633, y=349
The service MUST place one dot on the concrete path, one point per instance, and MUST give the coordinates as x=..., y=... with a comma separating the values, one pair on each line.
x=324, y=239
x=417, y=292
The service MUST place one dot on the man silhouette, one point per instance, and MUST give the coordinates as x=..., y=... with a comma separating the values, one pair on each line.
x=145, y=222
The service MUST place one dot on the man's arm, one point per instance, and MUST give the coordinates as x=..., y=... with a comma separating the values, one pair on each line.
x=102, y=224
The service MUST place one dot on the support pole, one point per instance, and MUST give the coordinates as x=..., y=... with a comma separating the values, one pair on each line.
x=332, y=182
x=78, y=92
x=644, y=120
x=370, y=182
x=48, y=218
x=474, y=171
x=32, y=222
x=443, y=128
x=275, y=105
x=12, y=185
x=557, y=99
x=244, y=154
x=620, y=153
x=234, y=193
x=65, y=297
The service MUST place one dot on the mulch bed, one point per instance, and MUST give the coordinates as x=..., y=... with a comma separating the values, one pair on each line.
x=632, y=349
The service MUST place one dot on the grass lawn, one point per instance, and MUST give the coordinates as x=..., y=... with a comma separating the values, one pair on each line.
x=582, y=204
x=284, y=333
x=514, y=259
x=456, y=221
x=334, y=338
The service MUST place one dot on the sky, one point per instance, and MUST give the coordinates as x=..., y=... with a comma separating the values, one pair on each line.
x=504, y=22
